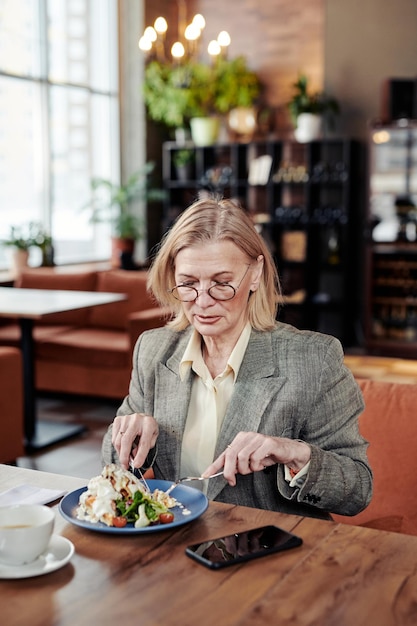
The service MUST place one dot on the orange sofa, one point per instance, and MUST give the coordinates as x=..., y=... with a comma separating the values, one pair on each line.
x=11, y=405
x=389, y=424
x=87, y=351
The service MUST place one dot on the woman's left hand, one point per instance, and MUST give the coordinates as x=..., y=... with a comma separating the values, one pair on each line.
x=253, y=452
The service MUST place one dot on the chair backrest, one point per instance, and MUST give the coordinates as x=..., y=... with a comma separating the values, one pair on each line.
x=11, y=405
x=48, y=278
x=389, y=423
x=130, y=283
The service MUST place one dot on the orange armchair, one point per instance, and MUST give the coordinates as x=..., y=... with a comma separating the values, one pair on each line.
x=11, y=405
x=389, y=423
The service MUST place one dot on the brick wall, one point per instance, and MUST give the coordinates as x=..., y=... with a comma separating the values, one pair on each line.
x=280, y=38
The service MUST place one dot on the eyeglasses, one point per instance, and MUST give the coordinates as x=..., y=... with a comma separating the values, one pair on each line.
x=220, y=291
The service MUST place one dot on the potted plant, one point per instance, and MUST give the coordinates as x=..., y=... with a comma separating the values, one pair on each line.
x=177, y=94
x=203, y=106
x=239, y=91
x=166, y=94
x=113, y=203
x=308, y=109
x=223, y=87
x=183, y=160
x=26, y=236
x=43, y=241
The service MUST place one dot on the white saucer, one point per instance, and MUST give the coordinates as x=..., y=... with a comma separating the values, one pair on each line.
x=57, y=554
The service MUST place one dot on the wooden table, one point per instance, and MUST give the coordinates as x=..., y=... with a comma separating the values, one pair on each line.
x=28, y=305
x=341, y=576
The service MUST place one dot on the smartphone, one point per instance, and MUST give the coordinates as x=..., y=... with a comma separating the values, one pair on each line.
x=242, y=546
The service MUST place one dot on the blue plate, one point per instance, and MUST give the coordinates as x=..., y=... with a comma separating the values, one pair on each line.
x=191, y=500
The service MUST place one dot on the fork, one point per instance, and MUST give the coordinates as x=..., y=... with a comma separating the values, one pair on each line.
x=187, y=479
x=133, y=469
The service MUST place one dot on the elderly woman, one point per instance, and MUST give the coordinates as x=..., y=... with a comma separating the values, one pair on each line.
x=224, y=386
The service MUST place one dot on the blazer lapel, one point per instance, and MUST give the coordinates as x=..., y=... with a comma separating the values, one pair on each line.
x=172, y=397
x=256, y=384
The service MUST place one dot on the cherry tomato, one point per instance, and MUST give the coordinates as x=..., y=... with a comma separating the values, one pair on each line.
x=166, y=518
x=119, y=521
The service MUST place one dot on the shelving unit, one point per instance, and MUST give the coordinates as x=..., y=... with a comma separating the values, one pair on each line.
x=307, y=201
x=391, y=255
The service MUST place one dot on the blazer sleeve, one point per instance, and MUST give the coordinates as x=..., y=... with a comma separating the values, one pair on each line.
x=339, y=477
x=133, y=403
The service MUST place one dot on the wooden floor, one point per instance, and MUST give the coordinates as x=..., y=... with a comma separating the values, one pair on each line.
x=383, y=368
x=80, y=456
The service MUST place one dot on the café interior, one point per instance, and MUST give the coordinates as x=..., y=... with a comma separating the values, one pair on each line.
x=65, y=368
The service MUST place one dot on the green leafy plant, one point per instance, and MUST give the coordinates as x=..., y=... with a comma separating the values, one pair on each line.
x=183, y=157
x=238, y=86
x=174, y=94
x=166, y=93
x=27, y=236
x=113, y=202
x=304, y=101
x=202, y=90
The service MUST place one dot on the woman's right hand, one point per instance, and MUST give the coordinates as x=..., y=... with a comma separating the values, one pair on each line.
x=133, y=436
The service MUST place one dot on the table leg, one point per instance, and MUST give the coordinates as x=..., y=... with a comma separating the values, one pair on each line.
x=38, y=434
x=26, y=329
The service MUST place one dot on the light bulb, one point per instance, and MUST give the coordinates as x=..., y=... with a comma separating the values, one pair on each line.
x=199, y=21
x=192, y=32
x=177, y=50
x=144, y=44
x=150, y=34
x=224, y=38
x=160, y=25
x=213, y=48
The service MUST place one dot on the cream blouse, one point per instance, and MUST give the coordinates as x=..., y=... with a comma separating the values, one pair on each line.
x=208, y=403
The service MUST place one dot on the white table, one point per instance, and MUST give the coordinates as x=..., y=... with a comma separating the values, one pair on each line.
x=28, y=305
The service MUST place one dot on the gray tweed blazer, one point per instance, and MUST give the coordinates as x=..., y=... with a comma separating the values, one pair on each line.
x=292, y=384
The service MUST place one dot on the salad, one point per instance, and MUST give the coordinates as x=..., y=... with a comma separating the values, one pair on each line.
x=117, y=498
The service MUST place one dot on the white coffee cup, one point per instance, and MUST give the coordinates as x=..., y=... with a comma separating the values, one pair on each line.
x=25, y=532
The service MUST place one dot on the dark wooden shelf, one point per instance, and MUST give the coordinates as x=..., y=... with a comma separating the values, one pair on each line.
x=320, y=211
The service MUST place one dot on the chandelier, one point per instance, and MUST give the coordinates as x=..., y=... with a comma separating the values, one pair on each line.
x=153, y=41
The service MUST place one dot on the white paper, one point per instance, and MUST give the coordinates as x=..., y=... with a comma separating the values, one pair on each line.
x=259, y=170
x=29, y=494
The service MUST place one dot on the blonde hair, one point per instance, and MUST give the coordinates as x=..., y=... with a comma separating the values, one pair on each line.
x=211, y=220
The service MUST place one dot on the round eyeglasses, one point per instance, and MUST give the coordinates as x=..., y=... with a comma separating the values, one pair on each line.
x=219, y=291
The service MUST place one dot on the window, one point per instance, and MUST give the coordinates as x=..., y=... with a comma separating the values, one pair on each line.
x=59, y=119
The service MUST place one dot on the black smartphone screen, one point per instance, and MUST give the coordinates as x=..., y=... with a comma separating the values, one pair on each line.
x=243, y=546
